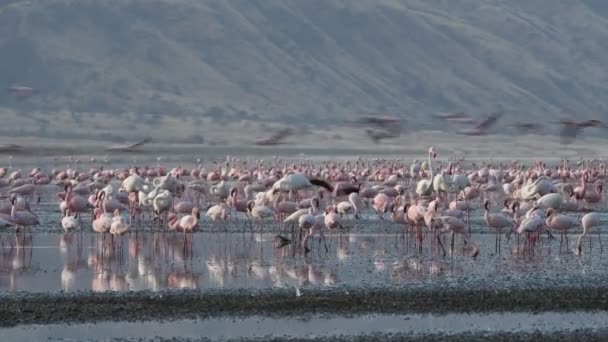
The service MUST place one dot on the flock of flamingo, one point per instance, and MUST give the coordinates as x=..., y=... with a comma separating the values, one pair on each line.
x=424, y=200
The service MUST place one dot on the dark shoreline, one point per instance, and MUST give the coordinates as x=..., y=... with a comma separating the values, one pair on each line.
x=83, y=307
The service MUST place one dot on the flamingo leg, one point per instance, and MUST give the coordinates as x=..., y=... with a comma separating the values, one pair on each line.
x=441, y=244
x=452, y=245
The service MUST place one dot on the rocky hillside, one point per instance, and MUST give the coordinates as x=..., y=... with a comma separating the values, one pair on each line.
x=316, y=62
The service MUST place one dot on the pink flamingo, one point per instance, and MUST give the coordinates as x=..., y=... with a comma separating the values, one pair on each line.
x=108, y=205
x=560, y=222
x=183, y=207
x=186, y=224
x=594, y=195
x=237, y=204
x=22, y=218
x=589, y=221
x=314, y=224
x=381, y=204
x=75, y=203
x=102, y=222
x=450, y=224
x=581, y=190
x=284, y=207
x=498, y=221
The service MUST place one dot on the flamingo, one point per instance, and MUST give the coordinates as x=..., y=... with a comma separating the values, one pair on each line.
x=560, y=222
x=108, y=205
x=102, y=222
x=314, y=224
x=22, y=218
x=331, y=219
x=162, y=204
x=498, y=221
x=450, y=224
x=298, y=181
x=283, y=208
x=218, y=212
x=75, y=203
x=352, y=205
x=119, y=224
x=554, y=200
x=259, y=212
x=382, y=204
x=235, y=203
x=594, y=195
x=589, y=221
x=189, y=223
x=312, y=210
x=70, y=223
x=425, y=186
x=221, y=190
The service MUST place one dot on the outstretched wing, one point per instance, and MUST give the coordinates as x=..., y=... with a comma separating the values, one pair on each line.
x=282, y=134
x=489, y=122
x=140, y=143
x=9, y=147
x=275, y=138
x=451, y=116
x=128, y=147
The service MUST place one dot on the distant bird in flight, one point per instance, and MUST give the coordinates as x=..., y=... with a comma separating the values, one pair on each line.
x=274, y=139
x=448, y=116
x=525, y=127
x=127, y=147
x=459, y=117
x=483, y=126
x=377, y=135
x=21, y=91
x=378, y=120
x=9, y=147
x=570, y=129
x=379, y=127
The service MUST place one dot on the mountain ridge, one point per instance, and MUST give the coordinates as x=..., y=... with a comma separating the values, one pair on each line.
x=313, y=63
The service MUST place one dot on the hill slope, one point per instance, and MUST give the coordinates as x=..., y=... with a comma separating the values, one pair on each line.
x=313, y=61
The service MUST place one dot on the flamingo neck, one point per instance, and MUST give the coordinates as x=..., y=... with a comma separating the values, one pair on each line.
x=430, y=166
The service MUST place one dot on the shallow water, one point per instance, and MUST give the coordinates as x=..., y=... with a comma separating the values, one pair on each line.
x=318, y=326
x=373, y=254
x=155, y=261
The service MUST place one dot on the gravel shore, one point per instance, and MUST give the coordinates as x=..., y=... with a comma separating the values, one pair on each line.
x=84, y=307
x=574, y=335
